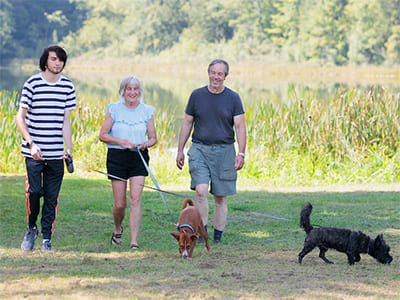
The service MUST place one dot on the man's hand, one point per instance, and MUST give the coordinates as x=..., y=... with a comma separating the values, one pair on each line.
x=239, y=162
x=180, y=160
x=35, y=152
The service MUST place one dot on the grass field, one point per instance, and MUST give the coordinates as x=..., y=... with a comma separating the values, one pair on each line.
x=257, y=258
x=341, y=154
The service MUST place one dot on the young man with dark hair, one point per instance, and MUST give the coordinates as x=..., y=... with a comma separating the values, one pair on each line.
x=44, y=121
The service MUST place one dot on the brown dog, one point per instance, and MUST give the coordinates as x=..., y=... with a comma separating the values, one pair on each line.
x=189, y=225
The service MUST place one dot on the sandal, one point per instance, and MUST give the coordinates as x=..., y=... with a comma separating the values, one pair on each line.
x=116, y=236
x=134, y=247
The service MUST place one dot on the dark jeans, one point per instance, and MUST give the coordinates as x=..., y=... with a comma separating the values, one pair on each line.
x=44, y=178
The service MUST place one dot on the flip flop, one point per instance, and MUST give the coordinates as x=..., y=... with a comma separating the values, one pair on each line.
x=134, y=247
x=116, y=236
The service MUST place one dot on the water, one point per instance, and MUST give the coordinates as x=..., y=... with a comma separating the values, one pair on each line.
x=168, y=88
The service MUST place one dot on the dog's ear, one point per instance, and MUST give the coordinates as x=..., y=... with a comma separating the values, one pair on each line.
x=176, y=236
x=193, y=237
x=379, y=239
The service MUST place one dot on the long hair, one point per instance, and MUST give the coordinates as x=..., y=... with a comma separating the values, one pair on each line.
x=130, y=80
x=60, y=52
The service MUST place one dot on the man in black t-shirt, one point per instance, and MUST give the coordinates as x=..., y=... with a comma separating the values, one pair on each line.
x=216, y=113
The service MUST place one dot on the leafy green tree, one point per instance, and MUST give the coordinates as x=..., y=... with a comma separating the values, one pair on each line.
x=323, y=32
x=370, y=27
x=103, y=27
x=311, y=30
x=251, y=19
x=285, y=28
x=7, y=25
x=214, y=20
x=35, y=24
x=125, y=27
x=164, y=24
x=318, y=31
x=393, y=45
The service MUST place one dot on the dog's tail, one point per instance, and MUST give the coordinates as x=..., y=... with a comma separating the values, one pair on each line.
x=186, y=201
x=305, y=217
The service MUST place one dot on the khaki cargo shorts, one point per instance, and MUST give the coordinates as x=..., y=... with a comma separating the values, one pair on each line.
x=213, y=165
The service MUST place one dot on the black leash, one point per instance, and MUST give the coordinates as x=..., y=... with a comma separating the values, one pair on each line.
x=157, y=188
x=122, y=179
x=104, y=173
x=178, y=195
x=155, y=183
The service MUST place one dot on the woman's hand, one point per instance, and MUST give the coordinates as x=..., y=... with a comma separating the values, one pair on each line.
x=142, y=146
x=126, y=144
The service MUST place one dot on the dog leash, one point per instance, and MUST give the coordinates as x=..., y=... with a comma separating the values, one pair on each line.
x=150, y=187
x=260, y=214
x=104, y=173
x=157, y=188
x=156, y=184
x=178, y=195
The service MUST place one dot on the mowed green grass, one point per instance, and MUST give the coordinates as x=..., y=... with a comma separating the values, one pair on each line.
x=257, y=258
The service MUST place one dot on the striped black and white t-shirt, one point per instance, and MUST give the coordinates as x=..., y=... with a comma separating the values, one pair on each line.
x=46, y=104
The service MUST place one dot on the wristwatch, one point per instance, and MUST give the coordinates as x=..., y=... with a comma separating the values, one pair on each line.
x=242, y=154
x=29, y=144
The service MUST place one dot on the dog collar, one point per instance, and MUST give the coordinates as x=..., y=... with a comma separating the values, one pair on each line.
x=185, y=225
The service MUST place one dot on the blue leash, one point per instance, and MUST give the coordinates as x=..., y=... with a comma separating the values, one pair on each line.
x=156, y=184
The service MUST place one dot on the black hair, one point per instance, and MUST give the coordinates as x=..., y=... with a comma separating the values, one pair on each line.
x=60, y=52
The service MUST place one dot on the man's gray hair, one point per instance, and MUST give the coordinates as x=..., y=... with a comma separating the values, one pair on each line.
x=219, y=61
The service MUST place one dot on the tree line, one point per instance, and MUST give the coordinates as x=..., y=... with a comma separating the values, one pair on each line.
x=26, y=27
x=326, y=32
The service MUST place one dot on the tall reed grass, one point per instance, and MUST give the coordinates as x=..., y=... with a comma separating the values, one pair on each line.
x=10, y=138
x=349, y=137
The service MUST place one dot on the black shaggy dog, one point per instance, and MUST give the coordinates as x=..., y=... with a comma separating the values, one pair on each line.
x=343, y=240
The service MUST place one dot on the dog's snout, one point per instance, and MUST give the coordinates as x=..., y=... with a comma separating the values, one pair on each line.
x=385, y=260
x=185, y=254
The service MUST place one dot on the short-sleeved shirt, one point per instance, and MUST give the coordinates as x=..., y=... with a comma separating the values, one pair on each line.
x=129, y=124
x=213, y=115
x=46, y=104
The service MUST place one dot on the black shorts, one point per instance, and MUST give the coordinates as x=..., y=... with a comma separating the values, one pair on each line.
x=126, y=163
